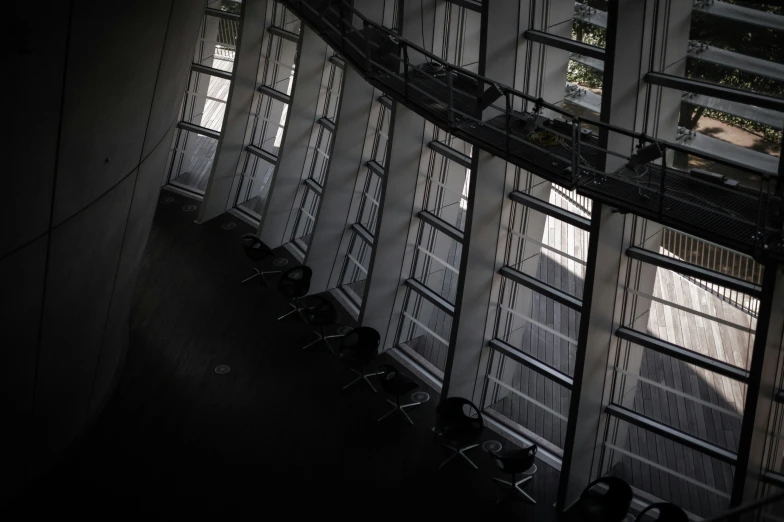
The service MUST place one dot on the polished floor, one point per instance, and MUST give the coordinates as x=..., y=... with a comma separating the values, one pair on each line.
x=275, y=436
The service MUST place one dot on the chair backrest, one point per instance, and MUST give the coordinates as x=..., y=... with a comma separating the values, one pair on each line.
x=668, y=512
x=458, y=420
x=361, y=343
x=615, y=502
x=516, y=461
x=295, y=282
x=254, y=248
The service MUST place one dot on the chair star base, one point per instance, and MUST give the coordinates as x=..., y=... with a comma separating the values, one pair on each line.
x=515, y=487
x=459, y=451
x=259, y=273
x=322, y=337
x=397, y=407
x=362, y=376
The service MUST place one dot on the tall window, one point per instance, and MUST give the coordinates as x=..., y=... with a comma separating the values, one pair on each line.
x=366, y=205
x=317, y=159
x=529, y=377
x=270, y=108
x=428, y=304
x=679, y=375
x=204, y=103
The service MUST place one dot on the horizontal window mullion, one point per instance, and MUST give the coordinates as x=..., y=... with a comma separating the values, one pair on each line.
x=533, y=363
x=263, y=154
x=357, y=263
x=683, y=354
x=275, y=94
x=440, y=261
x=286, y=35
x=672, y=434
x=538, y=324
x=551, y=210
x=431, y=296
x=696, y=271
x=567, y=44
x=691, y=311
x=337, y=61
x=375, y=168
x=363, y=233
x=385, y=100
x=313, y=185
x=772, y=477
x=218, y=73
x=542, y=288
x=198, y=129
x=441, y=225
x=327, y=124
x=450, y=153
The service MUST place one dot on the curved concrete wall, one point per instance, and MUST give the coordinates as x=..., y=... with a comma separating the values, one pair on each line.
x=95, y=93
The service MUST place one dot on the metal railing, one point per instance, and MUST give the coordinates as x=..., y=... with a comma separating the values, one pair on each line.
x=547, y=140
x=227, y=39
x=719, y=259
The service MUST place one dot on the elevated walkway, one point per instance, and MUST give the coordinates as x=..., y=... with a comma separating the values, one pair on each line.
x=559, y=148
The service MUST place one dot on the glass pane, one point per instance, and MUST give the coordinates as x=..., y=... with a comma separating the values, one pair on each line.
x=355, y=268
x=529, y=400
x=217, y=42
x=269, y=124
x=667, y=470
x=538, y=326
x=437, y=261
x=425, y=329
x=191, y=160
x=683, y=396
x=255, y=185
x=371, y=201
x=306, y=217
x=205, y=100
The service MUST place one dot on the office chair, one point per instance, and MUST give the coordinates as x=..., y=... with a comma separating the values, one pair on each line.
x=397, y=384
x=459, y=423
x=319, y=312
x=612, y=505
x=516, y=461
x=294, y=284
x=257, y=252
x=667, y=513
x=358, y=348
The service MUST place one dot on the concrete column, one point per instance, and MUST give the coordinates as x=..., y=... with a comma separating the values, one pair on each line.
x=606, y=260
x=225, y=167
x=348, y=155
x=754, y=445
x=407, y=135
x=478, y=274
x=312, y=55
x=94, y=151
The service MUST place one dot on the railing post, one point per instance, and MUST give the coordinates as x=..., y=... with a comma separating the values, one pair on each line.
x=449, y=97
x=577, y=152
x=661, y=184
x=366, y=31
x=575, y=146
x=405, y=70
x=508, y=97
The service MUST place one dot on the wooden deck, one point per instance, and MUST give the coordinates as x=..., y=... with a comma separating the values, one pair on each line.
x=695, y=400
x=196, y=155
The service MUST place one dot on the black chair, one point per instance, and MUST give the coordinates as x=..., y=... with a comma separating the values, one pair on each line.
x=459, y=423
x=667, y=513
x=604, y=500
x=257, y=252
x=319, y=313
x=397, y=384
x=358, y=349
x=516, y=461
x=294, y=284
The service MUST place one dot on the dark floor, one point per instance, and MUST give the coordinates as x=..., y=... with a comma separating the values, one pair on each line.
x=275, y=436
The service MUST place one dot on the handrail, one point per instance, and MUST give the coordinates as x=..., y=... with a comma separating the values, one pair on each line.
x=739, y=218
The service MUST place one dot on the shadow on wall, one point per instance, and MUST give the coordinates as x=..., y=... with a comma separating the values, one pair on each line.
x=87, y=154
